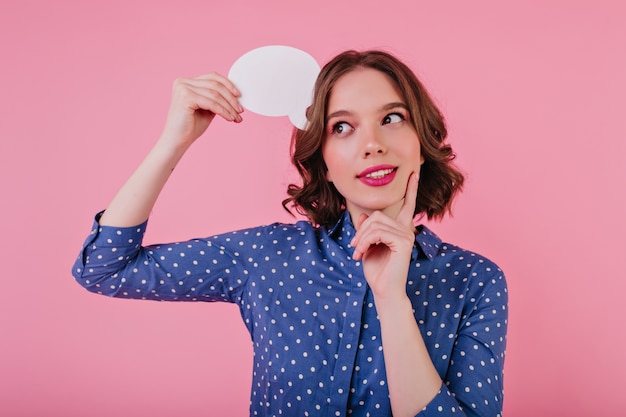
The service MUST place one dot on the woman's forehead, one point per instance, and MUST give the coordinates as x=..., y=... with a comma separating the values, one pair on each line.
x=363, y=88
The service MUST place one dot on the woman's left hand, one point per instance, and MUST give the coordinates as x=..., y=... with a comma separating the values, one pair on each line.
x=384, y=245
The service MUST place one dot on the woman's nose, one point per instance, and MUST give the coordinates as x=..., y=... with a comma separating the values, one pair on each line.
x=373, y=142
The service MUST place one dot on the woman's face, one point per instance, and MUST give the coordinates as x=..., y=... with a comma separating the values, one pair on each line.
x=370, y=146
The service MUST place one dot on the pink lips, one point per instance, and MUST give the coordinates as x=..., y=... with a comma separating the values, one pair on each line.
x=378, y=175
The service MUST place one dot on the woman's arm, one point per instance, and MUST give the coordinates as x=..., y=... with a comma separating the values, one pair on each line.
x=473, y=383
x=195, y=102
x=385, y=245
x=412, y=378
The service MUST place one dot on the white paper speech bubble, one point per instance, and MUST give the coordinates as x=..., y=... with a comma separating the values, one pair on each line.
x=276, y=80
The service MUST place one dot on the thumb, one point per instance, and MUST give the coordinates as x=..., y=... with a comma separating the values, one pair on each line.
x=361, y=219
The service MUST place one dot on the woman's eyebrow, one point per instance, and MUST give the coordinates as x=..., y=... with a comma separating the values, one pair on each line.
x=338, y=113
x=394, y=105
x=388, y=106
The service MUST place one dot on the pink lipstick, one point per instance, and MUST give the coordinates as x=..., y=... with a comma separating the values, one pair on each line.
x=378, y=175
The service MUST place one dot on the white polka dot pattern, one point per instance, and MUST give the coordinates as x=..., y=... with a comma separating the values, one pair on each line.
x=311, y=315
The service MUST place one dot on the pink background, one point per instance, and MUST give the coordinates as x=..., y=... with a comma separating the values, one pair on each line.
x=534, y=97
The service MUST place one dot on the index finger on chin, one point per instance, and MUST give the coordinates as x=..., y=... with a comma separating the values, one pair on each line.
x=407, y=212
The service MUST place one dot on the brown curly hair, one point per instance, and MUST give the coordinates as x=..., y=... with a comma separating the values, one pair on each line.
x=440, y=180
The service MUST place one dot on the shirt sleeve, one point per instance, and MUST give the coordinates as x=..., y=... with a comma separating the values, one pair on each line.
x=473, y=384
x=113, y=262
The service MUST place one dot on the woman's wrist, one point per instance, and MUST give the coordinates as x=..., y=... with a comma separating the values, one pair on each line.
x=393, y=305
x=170, y=146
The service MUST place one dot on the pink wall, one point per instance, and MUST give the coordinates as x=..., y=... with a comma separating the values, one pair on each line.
x=534, y=96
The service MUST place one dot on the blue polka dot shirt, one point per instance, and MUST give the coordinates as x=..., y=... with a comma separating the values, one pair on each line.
x=311, y=315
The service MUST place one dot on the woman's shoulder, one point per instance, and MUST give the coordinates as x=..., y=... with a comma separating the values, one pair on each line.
x=468, y=277
x=448, y=256
x=276, y=230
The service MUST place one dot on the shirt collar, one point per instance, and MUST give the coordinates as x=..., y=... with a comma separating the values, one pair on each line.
x=427, y=243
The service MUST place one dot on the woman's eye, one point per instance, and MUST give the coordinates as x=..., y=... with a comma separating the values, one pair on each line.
x=341, y=127
x=393, y=118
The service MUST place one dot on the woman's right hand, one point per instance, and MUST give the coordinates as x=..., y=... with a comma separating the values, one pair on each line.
x=194, y=104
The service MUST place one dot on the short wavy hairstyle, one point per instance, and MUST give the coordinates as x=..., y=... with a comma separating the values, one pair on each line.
x=317, y=198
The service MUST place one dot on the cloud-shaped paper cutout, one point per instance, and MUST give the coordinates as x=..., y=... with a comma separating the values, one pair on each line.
x=276, y=80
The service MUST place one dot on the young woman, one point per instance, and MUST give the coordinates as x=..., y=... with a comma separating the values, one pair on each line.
x=356, y=311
